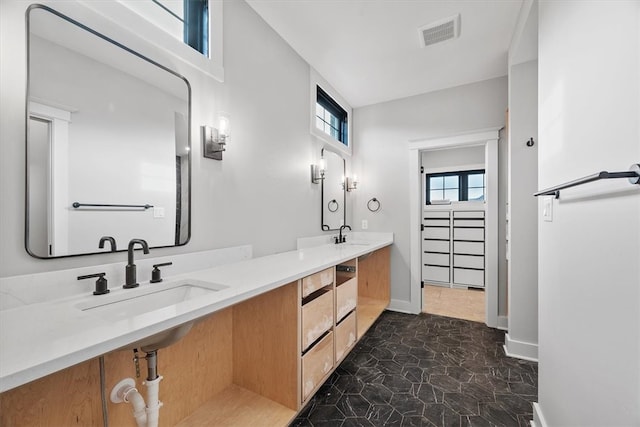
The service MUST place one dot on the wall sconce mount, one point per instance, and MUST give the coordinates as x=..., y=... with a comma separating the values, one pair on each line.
x=214, y=140
x=318, y=171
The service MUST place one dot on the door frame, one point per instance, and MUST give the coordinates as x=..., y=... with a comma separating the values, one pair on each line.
x=489, y=139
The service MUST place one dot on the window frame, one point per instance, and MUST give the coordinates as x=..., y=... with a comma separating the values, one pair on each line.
x=149, y=37
x=463, y=184
x=317, y=82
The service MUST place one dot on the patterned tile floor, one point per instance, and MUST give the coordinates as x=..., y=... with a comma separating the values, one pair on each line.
x=426, y=370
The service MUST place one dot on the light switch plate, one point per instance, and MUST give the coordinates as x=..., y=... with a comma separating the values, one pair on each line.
x=365, y=224
x=158, y=212
x=547, y=209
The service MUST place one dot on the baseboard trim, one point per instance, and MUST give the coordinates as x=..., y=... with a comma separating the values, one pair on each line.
x=520, y=349
x=401, y=306
x=503, y=323
x=538, y=417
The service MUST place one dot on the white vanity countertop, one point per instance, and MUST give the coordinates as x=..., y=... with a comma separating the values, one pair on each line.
x=39, y=339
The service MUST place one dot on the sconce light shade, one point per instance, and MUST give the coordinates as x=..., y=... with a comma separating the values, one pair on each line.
x=317, y=171
x=214, y=140
x=350, y=184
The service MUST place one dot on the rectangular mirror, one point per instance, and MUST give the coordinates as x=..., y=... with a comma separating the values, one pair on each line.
x=108, y=142
x=333, y=199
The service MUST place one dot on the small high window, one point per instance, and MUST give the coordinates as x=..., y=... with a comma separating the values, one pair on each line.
x=191, y=18
x=458, y=186
x=331, y=118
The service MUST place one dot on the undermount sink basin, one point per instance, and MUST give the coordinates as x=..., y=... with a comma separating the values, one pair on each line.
x=357, y=243
x=132, y=303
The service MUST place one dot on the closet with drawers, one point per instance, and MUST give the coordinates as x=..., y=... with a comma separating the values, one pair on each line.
x=453, y=248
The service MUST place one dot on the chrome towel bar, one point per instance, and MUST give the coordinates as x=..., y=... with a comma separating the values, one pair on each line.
x=93, y=205
x=633, y=175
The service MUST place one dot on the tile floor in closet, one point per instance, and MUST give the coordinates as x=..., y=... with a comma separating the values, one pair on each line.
x=426, y=370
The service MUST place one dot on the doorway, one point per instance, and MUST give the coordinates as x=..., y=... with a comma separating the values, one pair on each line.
x=453, y=231
x=487, y=140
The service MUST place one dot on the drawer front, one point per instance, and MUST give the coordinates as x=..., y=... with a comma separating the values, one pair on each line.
x=312, y=283
x=476, y=234
x=472, y=248
x=436, y=222
x=435, y=259
x=436, y=214
x=435, y=233
x=468, y=261
x=468, y=277
x=436, y=274
x=468, y=223
x=345, y=336
x=317, y=318
x=316, y=365
x=346, y=298
x=435, y=246
x=468, y=214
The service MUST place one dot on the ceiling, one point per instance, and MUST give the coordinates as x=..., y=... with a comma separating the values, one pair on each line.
x=369, y=50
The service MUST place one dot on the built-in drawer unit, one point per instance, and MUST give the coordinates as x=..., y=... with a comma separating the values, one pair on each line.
x=317, y=363
x=470, y=248
x=346, y=298
x=434, y=258
x=468, y=214
x=317, y=315
x=468, y=261
x=441, y=233
x=436, y=274
x=439, y=246
x=345, y=336
x=468, y=277
x=468, y=234
x=436, y=247
x=312, y=283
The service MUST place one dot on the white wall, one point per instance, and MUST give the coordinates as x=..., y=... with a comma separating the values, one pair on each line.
x=259, y=194
x=381, y=157
x=522, y=339
x=589, y=256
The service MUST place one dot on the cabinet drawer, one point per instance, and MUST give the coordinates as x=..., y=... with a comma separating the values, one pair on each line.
x=435, y=245
x=435, y=233
x=476, y=234
x=468, y=261
x=346, y=298
x=468, y=277
x=436, y=259
x=436, y=222
x=345, y=336
x=316, y=364
x=472, y=248
x=468, y=223
x=317, y=318
x=312, y=283
x=468, y=214
x=436, y=274
x=436, y=214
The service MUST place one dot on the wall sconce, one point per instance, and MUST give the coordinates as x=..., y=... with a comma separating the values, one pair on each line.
x=350, y=184
x=214, y=140
x=318, y=171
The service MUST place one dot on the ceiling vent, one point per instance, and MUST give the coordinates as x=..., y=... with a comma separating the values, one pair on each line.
x=439, y=31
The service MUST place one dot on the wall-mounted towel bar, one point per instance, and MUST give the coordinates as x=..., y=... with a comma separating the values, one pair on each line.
x=633, y=175
x=93, y=205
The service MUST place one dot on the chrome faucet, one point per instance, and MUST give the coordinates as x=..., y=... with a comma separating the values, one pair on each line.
x=130, y=269
x=341, y=238
x=111, y=241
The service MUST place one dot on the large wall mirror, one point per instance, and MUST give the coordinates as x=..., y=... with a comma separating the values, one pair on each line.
x=108, y=142
x=333, y=199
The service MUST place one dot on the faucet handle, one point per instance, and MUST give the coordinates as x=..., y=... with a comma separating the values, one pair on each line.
x=156, y=273
x=101, y=283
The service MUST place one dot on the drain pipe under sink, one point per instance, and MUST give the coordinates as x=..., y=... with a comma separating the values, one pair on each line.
x=125, y=391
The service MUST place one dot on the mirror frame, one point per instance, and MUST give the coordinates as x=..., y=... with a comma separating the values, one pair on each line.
x=26, y=128
x=324, y=226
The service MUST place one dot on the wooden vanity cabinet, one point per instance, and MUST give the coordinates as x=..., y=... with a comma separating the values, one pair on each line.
x=255, y=363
